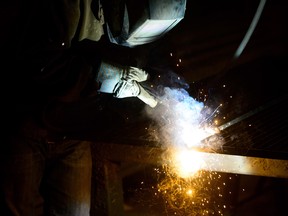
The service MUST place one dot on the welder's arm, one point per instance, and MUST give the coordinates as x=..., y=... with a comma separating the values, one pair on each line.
x=124, y=81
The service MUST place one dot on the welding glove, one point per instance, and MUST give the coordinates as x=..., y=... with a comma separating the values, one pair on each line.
x=126, y=88
x=110, y=74
x=137, y=74
x=131, y=88
x=124, y=81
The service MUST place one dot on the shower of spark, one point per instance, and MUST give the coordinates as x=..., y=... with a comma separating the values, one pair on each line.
x=184, y=127
x=203, y=194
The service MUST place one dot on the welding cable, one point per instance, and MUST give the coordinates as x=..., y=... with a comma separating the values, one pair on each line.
x=229, y=64
x=252, y=112
x=250, y=29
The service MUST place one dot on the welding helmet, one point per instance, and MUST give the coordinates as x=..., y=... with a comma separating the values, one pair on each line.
x=131, y=23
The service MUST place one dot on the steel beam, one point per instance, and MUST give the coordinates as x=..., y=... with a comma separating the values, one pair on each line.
x=227, y=163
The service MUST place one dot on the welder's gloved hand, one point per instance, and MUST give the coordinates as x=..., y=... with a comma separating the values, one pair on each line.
x=126, y=88
x=124, y=81
x=110, y=74
x=134, y=73
x=132, y=88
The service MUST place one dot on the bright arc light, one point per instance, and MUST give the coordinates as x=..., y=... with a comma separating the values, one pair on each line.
x=187, y=163
x=192, y=136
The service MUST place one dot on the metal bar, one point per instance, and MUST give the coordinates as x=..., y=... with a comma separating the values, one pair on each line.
x=212, y=161
x=245, y=165
x=250, y=113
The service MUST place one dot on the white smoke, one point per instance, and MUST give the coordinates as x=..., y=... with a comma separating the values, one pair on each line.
x=180, y=119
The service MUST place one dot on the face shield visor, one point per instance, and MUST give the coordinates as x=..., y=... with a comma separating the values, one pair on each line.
x=132, y=23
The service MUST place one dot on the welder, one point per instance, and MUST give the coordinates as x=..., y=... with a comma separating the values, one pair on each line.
x=57, y=94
